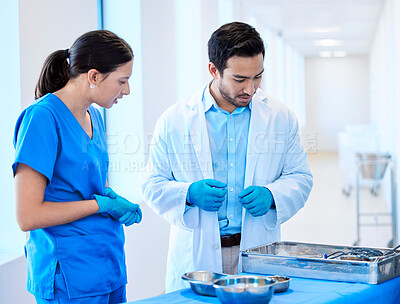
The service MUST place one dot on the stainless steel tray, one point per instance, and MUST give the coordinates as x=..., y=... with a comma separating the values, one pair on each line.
x=307, y=261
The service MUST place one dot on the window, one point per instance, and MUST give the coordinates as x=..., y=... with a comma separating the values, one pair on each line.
x=11, y=237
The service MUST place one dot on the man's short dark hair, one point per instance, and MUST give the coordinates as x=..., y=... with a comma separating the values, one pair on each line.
x=234, y=39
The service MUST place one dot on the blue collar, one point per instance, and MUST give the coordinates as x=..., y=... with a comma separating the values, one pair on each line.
x=209, y=103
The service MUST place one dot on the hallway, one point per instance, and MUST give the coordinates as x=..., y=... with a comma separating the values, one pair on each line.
x=329, y=216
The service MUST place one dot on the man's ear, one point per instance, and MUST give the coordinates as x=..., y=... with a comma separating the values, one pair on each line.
x=213, y=70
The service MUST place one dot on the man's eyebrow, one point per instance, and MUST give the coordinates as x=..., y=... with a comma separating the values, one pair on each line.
x=245, y=77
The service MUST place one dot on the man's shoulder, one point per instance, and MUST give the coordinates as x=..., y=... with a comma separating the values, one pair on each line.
x=274, y=110
x=184, y=105
x=268, y=103
x=174, y=111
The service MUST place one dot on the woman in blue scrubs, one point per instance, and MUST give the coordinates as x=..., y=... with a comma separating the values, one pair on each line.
x=75, y=251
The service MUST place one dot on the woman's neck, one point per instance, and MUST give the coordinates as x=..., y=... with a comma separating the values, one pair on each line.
x=74, y=97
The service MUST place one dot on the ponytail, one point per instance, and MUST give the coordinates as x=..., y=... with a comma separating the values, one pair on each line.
x=54, y=75
x=101, y=50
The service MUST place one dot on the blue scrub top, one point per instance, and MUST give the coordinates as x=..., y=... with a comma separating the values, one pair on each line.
x=90, y=251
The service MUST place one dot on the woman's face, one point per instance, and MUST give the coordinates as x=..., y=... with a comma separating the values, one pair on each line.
x=113, y=86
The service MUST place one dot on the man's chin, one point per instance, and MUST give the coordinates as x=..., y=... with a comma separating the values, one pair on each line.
x=241, y=103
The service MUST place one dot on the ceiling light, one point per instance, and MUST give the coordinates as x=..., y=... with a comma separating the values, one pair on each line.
x=325, y=54
x=328, y=42
x=321, y=30
x=339, y=54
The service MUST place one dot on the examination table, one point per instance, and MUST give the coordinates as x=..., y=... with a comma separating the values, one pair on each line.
x=305, y=291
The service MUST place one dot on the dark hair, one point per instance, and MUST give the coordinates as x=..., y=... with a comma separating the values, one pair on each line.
x=234, y=39
x=101, y=50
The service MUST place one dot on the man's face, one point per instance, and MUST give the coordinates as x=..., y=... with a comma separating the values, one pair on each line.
x=240, y=80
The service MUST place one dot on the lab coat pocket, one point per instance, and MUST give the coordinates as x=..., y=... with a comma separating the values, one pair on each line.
x=91, y=264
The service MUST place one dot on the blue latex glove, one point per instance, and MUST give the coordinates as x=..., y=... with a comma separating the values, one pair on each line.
x=118, y=207
x=256, y=199
x=207, y=194
x=131, y=218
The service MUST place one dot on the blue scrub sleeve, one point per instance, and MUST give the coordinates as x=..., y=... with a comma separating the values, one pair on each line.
x=36, y=140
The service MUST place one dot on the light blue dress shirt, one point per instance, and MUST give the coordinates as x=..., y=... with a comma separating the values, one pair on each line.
x=228, y=133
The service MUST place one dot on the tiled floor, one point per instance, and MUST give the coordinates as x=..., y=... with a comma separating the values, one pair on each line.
x=329, y=216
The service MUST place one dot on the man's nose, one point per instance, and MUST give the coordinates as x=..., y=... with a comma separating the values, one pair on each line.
x=250, y=87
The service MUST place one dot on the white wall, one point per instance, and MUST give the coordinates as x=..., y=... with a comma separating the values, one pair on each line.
x=385, y=79
x=337, y=93
x=47, y=26
x=159, y=61
x=284, y=73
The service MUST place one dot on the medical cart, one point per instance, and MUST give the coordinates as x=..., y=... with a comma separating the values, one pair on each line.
x=372, y=166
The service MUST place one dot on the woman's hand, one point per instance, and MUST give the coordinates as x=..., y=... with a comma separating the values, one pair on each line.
x=118, y=207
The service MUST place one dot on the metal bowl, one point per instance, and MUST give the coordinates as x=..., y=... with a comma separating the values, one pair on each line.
x=282, y=283
x=244, y=289
x=201, y=282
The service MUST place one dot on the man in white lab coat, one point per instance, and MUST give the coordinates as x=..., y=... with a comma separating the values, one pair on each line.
x=226, y=165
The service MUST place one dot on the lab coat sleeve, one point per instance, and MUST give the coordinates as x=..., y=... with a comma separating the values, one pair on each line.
x=161, y=191
x=292, y=188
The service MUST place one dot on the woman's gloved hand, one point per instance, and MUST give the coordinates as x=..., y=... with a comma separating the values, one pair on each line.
x=256, y=199
x=131, y=218
x=207, y=194
x=118, y=207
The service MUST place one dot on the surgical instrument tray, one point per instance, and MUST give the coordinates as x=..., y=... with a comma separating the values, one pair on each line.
x=326, y=262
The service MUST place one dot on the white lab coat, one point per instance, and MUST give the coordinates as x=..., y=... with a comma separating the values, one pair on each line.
x=180, y=155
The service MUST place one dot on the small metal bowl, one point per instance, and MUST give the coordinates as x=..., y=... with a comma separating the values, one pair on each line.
x=282, y=283
x=244, y=289
x=201, y=282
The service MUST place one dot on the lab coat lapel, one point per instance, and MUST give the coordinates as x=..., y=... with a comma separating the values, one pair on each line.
x=205, y=257
x=197, y=127
x=260, y=114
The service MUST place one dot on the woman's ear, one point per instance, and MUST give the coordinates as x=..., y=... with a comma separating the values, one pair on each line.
x=93, y=77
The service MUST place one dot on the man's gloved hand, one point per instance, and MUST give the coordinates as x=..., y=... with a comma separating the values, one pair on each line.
x=118, y=207
x=256, y=199
x=207, y=194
